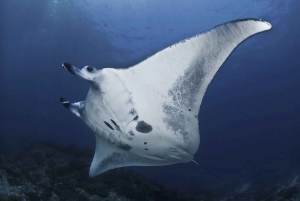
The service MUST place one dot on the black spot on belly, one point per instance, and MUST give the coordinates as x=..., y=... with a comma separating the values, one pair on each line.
x=145, y=142
x=143, y=127
x=146, y=149
x=190, y=110
x=126, y=147
x=109, y=126
x=131, y=133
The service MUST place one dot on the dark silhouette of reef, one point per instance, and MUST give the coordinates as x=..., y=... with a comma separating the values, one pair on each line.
x=49, y=171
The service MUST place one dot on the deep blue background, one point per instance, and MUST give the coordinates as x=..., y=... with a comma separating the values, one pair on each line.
x=249, y=118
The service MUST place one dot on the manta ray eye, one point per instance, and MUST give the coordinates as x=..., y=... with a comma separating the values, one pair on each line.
x=109, y=126
x=90, y=69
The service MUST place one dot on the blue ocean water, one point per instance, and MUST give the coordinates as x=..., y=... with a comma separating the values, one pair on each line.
x=249, y=118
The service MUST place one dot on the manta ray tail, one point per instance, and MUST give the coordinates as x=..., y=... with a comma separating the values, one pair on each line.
x=207, y=170
x=75, y=108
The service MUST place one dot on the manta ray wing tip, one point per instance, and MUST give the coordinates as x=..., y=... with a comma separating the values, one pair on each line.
x=269, y=25
x=263, y=24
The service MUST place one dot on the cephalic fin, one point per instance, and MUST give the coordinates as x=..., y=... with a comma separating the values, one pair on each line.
x=75, y=108
x=86, y=73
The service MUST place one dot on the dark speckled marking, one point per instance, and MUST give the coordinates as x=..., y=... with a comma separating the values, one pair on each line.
x=132, y=111
x=146, y=149
x=145, y=142
x=129, y=101
x=190, y=110
x=126, y=147
x=131, y=133
x=143, y=127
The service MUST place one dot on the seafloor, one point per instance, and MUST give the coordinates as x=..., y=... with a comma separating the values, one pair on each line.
x=49, y=171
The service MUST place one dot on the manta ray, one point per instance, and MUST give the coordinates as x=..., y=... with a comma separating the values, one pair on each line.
x=147, y=114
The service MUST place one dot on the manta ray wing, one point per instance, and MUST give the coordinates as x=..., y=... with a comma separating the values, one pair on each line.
x=171, y=83
x=147, y=114
x=183, y=71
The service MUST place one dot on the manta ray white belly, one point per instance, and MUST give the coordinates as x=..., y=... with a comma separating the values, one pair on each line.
x=147, y=114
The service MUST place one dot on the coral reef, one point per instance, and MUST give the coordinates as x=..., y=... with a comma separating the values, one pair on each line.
x=49, y=171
